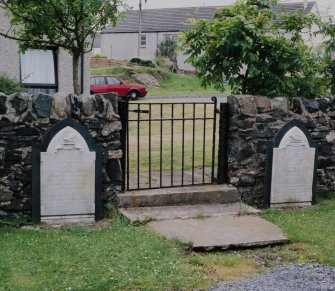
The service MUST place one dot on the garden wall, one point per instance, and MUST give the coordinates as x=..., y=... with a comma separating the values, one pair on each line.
x=253, y=121
x=24, y=120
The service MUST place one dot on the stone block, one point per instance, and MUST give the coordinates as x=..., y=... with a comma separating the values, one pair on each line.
x=42, y=104
x=115, y=154
x=3, y=107
x=247, y=105
x=111, y=127
x=19, y=102
x=310, y=105
x=279, y=107
x=61, y=107
x=263, y=104
x=87, y=105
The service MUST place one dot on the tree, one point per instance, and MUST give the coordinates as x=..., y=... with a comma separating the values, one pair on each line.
x=68, y=24
x=256, y=50
x=168, y=49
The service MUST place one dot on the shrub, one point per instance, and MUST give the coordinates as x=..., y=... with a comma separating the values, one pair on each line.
x=143, y=62
x=100, y=56
x=9, y=86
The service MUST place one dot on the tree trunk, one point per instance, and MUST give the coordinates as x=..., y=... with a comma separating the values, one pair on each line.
x=75, y=68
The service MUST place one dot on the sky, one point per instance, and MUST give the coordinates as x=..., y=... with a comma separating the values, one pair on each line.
x=322, y=4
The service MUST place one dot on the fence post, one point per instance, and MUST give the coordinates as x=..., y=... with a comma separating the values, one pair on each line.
x=123, y=112
x=223, y=145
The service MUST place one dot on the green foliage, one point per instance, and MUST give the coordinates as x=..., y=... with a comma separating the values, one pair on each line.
x=327, y=28
x=257, y=51
x=67, y=24
x=168, y=48
x=143, y=62
x=9, y=86
x=100, y=56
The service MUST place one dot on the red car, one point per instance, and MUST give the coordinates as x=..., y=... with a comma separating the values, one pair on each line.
x=105, y=84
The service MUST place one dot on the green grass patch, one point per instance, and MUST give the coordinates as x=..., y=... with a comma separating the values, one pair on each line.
x=311, y=228
x=170, y=83
x=179, y=84
x=116, y=257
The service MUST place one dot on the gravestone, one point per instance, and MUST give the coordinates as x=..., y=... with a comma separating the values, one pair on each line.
x=291, y=167
x=67, y=175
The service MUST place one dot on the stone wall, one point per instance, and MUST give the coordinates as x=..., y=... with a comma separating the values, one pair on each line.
x=24, y=120
x=253, y=121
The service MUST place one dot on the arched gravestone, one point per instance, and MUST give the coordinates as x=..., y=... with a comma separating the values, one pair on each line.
x=291, y=167
x=67, y=175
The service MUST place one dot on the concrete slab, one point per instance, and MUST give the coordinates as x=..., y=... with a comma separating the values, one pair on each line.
x=223, y=232
x=205, y=194
x=186, y=211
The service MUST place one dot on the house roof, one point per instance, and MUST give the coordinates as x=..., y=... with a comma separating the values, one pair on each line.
x=173, y=19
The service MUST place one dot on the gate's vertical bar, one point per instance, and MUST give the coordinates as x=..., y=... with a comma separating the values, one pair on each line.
x=193, y=143
x=161, y=151
x=172, y=123
x=214, y=135
x=123, y=112
x=138, y=145
x=204, y=145
x=223, y=144
x=183, y=147
x=150, y=146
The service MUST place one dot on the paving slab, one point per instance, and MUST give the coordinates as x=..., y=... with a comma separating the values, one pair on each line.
x=186, y=211
x=221, y=232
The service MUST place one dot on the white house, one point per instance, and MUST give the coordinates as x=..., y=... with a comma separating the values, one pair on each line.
x=47, y=71
x=121, y=41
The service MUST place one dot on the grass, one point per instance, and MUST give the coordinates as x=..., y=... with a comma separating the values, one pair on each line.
x=170, y=83
x=313, y=228
x=118, y=256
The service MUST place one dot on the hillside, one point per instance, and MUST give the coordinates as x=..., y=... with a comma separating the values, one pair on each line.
x=158, y=81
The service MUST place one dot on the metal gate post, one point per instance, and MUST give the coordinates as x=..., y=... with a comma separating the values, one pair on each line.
x=223, y=145
x=123, y=112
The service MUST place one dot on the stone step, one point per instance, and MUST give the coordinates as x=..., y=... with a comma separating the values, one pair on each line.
x=200, y=211
x=205, y=194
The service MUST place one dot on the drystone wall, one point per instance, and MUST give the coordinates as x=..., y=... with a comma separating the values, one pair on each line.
x=24, y=120
x=254, y=120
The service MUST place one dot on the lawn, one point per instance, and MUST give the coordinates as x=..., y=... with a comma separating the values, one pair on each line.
x=170, y=83
x=118, y=256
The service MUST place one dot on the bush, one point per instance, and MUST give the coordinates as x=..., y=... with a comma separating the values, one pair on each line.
x=143, y=62
x=9, y=86
x=100, y=56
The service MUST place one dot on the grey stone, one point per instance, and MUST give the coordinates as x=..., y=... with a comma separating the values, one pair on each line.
x=5, y=194
x=115, y=154
x=111, y=127
x=239, y=149
x=297, y=106
x=323, y=104
x=61, y=107
x=279, y=106
x=247, y=105
x=3, y=214
x=330, y=138
x=113, y=170
x=263, y=104
x=3, y=107
x=87, y=105
x=19, y=102
x=42, y=104
x=75, y=106
x=311, y=105
x=233, y=104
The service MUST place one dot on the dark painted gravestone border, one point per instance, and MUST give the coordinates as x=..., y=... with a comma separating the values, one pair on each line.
x=42, y=148
x=271, y=147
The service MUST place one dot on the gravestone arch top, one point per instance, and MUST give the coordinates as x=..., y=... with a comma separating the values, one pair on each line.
x=291, y=167
x=67, y=175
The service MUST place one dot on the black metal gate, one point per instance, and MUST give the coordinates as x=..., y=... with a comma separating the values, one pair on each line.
x=172, y=144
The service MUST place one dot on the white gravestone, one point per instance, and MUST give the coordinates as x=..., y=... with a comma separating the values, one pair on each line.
x=292, y=170
x=68, y=179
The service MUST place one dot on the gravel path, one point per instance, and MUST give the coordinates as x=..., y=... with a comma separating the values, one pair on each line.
x=292, y=277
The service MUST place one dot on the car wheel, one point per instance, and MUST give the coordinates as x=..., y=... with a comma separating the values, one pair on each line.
x=133, y=95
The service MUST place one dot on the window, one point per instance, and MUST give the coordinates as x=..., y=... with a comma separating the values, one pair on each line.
x=113, y=80
x=143, y=40
x=100, y=80
x=38, y=70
